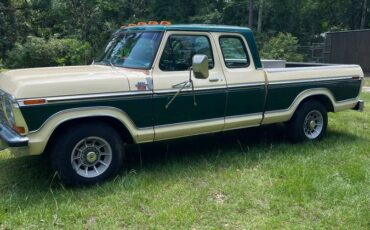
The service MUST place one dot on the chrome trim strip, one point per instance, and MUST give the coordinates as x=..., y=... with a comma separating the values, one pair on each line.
x=199, y=89
x=85, y=96
x=211, y=88
x=188, y=123
x=72, y=98
x=244, y=115
x=262, y=83
x=295, y=69
x=309, y=80
x=209, y=120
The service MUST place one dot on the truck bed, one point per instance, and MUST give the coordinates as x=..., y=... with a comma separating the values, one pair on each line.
x=285, y=86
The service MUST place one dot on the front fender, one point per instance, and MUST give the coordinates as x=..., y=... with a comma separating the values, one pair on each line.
x=38, y=139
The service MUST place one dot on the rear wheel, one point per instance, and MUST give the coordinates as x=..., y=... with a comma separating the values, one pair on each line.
x=87, y=154
x=309, y=122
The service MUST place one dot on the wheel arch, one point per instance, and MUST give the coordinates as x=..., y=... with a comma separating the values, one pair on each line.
x=323, y=95
x=41, y=139
x=107, y=120
x=322, y=98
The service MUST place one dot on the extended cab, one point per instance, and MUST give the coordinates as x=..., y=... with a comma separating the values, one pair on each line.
x=158, y=82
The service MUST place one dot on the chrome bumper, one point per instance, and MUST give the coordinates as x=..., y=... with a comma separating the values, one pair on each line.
x=9, y=138
x=359, y=106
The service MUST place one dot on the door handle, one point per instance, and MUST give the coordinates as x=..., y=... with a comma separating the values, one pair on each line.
x=213, y=79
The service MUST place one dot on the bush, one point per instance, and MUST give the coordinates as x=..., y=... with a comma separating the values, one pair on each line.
x=38, y=52
x=282, y=46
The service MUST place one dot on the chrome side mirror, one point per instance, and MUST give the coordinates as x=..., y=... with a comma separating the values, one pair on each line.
x=200, y=66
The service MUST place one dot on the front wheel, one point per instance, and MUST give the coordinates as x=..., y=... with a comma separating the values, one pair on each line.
x=309, y=122
x=87, y=154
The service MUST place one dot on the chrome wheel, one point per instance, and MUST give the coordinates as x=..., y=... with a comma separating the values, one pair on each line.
x=313, y=124
x=91, y=157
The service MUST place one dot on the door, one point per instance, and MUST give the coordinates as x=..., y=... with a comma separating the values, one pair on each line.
x=245, y=83
x=191, y=112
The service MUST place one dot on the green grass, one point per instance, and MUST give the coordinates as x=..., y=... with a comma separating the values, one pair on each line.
x=249, y=179
x=367, y=82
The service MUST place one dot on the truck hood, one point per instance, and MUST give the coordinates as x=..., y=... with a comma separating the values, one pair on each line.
x=66, y=81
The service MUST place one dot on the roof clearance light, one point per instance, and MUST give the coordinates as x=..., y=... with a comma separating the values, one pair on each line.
x=131, y=25
x=141, y=23
x=153, y=23
x=165, y=23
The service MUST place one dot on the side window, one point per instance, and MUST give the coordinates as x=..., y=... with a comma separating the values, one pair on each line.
x=234, y=52
x=180, y=49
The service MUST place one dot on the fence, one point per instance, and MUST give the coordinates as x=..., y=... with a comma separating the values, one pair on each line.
x=349, y=47
x=313, y=53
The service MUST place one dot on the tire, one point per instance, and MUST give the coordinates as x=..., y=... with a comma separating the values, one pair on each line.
x=309, y=122
x=87, y=154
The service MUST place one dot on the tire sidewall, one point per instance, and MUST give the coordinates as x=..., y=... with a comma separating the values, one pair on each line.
x=62, y=151
x=296, y=127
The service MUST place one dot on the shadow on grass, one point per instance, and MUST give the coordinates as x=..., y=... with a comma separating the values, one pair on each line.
x=31, y=175
x=220, y=145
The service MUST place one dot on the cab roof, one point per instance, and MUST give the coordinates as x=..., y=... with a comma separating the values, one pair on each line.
x=189, y=27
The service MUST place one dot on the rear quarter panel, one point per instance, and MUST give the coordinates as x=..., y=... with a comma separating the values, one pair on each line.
x=287, y=87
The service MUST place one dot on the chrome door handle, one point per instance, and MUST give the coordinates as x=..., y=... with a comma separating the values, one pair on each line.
x=213, y=79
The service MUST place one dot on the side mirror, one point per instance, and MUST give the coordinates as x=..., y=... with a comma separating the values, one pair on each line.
x=200, y=66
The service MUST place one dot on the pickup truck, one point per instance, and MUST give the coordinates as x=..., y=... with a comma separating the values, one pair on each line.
x=159, y=82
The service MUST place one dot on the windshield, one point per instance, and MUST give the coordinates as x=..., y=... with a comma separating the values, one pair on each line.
x=131, y=50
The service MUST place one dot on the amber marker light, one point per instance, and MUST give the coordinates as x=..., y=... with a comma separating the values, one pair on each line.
x=153, y=23
x=20, y=130
x=131, y=25
x=165, y=23
x=34, y=102
x=141, y=23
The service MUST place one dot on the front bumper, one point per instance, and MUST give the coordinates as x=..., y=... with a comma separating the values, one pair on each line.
x=359, y=106
x=9, y=138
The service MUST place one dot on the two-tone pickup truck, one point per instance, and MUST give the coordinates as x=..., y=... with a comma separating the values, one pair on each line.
x=158, y=82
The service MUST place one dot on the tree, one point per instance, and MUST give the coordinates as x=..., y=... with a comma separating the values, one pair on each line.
x=260, y=15
x=250, y=9
x=364, y=11
x=7, y=23
x=282, y=46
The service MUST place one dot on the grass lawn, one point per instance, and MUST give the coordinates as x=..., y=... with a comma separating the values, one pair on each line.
x=249, y=179
x=367, y=82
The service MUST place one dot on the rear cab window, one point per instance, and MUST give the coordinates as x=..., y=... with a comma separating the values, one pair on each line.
x=234, y=52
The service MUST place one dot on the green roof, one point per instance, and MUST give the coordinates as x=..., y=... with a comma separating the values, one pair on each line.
x=190, y=27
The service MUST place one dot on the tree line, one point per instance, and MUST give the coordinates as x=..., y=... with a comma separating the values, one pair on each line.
x=64, y=32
